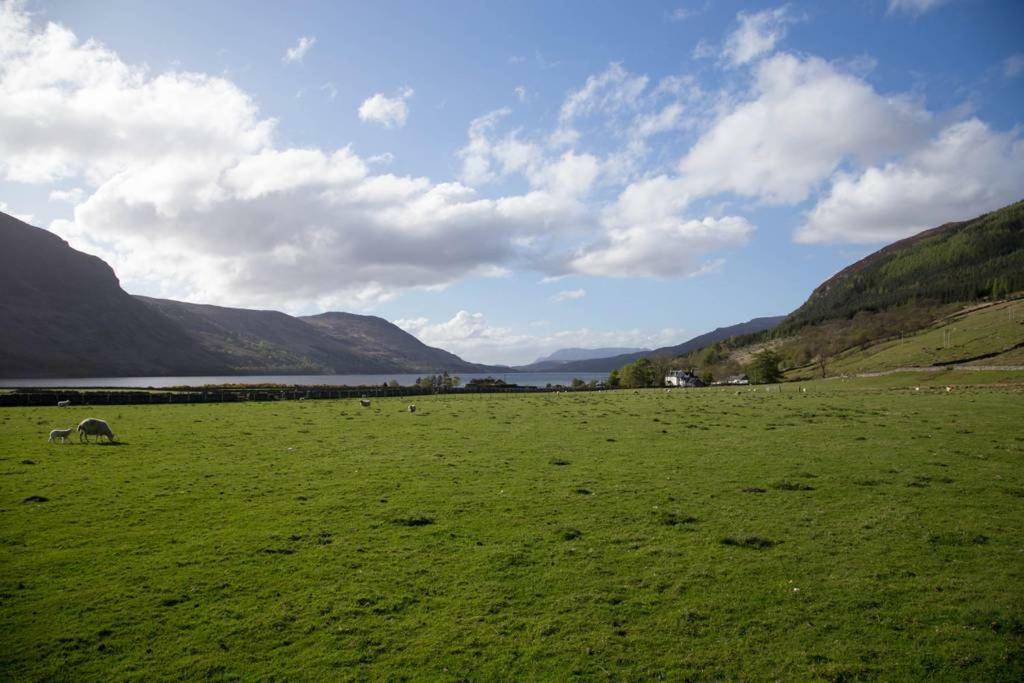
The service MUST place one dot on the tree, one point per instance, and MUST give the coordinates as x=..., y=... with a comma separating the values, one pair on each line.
x=765, y=368
x=639, y=373
x=577, y=383
x=613, y=379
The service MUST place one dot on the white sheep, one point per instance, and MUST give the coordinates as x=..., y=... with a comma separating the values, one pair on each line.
x=92, y=426
x=364, y=402
x=412, y=407
x=63, y=404
x=60, y=434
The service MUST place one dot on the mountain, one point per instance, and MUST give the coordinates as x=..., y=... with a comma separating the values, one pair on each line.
x=955, y=262
x=888, y=308
x=615, y=362
x=389, y=344
x=65, y=315
x=556, y=360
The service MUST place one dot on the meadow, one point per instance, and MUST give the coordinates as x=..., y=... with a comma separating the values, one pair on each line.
x=858, y=530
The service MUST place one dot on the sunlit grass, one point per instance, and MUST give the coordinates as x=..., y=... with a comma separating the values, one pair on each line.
x=853, y=531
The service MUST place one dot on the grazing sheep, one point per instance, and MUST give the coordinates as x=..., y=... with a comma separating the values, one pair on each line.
x=412, y=407
x=949, y=389
x=60, y=434
x=63, y=404
x=364, y=402
x=92, y=426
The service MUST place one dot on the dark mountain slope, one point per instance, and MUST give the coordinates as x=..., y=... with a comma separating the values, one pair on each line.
x=65, y=315
x=268, y=342
x=389, y=344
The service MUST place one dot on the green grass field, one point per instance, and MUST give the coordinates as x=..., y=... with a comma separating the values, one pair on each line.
x=961, y=336
x=856, y=531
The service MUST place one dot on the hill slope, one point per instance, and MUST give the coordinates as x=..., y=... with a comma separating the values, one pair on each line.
x=867, y=316
x=956, y=262
x=65, y=315
x=389, y=344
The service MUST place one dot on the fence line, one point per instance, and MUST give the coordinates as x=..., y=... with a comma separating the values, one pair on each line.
x=50, y=397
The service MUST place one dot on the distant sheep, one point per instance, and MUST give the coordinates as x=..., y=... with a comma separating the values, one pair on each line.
x=92, y=426
x=412, y=407
x=60, y=435
x=63, y=404
x=364, y=402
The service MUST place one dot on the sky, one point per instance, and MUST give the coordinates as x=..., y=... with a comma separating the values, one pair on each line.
x=506, y=179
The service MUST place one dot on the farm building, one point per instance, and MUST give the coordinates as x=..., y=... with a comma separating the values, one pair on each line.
x=682, y=378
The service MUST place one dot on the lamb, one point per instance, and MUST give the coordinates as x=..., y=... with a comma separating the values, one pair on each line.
x=412, y=407
x=92, y=426
x=63, y=404
x=60, y=434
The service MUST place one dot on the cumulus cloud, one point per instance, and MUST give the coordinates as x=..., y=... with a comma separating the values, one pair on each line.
x=390, y=112
x=915, y=7
x=757, y=34
x=297, y=53
x=185, y=192
x=472, y=337
x=966, y=170
x=803, y=119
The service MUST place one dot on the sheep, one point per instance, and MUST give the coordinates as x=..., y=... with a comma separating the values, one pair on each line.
x=63, y=404
x=92, y=426
x=364, y=402
x=949, y=389
x=60, y=434
x=412, y=407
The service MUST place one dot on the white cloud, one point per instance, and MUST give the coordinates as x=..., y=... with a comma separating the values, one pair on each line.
x=297, y=53
x=331, y=89
x=758, y=33
x=471, y=337
x=915, y=7
x=569, y=295
x=966, y=170
x=666, y=246
x=390, y=112
x=185, y=192
x=520, y=92
x=803, y=119
x=1013, y=66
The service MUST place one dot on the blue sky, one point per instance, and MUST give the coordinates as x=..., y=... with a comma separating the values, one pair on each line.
x=506, y=179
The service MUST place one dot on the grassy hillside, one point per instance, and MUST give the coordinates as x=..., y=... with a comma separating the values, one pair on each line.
x=691, y=535
x=975, y=333
x=957, y=262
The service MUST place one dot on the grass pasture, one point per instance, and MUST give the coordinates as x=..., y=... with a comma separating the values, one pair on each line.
x=968, y=334
x=856, y=531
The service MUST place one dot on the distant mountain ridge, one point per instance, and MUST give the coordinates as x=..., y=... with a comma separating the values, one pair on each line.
x=557, y=360
x=65, y=315
x=718, y=334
